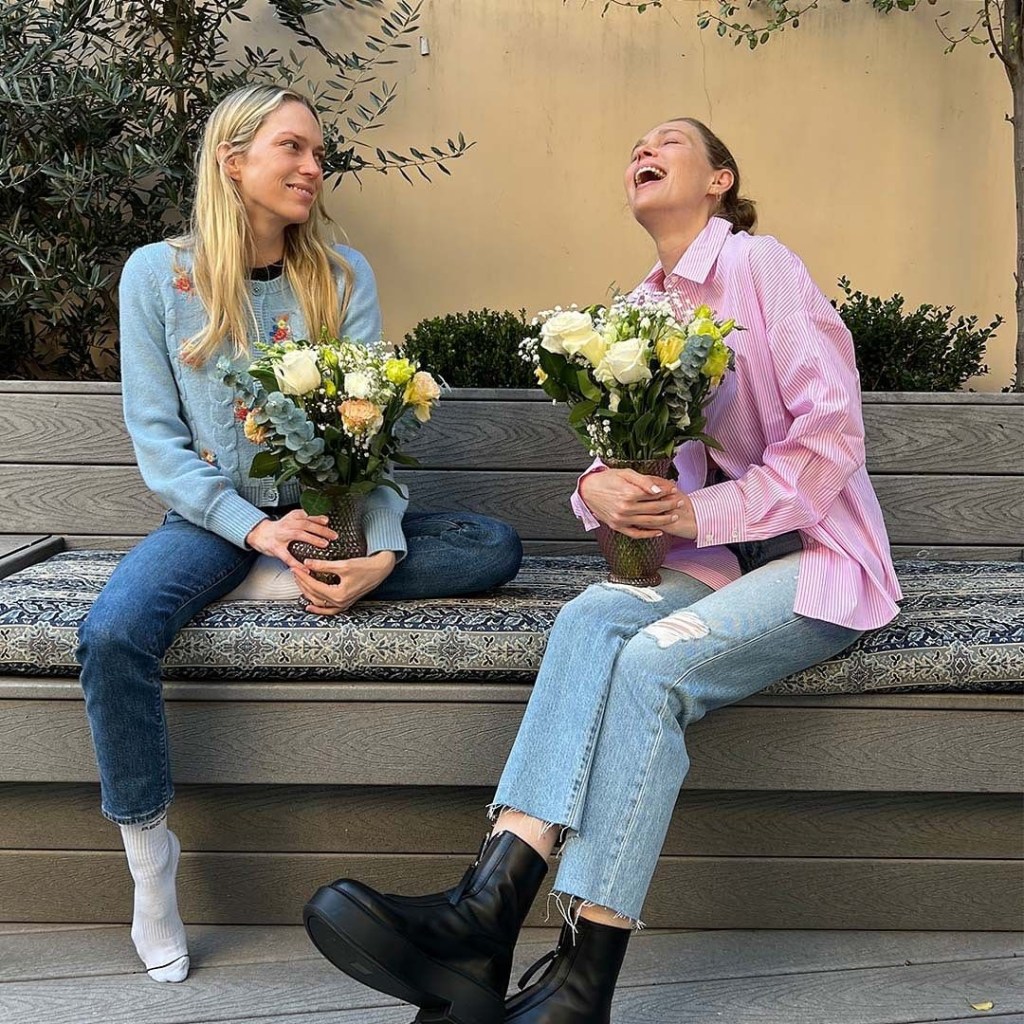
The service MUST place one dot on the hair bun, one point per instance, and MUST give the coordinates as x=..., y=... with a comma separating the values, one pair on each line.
x=743, y=214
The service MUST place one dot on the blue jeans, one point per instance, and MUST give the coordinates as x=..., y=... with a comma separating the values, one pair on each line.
x=177, y=571
x=601, y=749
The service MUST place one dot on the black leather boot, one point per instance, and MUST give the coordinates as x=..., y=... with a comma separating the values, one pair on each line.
x=578, y=986
x=450, y=952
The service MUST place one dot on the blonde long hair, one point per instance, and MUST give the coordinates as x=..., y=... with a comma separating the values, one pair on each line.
x=223, y=248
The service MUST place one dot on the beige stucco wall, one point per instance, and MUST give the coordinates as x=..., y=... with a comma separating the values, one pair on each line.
x=869, y=151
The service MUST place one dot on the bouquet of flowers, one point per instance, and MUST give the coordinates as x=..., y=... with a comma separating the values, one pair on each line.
x=332, y=415
x=636, y=379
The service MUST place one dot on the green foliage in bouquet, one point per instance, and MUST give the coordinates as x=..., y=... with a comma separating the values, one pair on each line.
x=103, y=105
x=332, y=415
x=478, y=349
x=636, y=379
x=920, y=350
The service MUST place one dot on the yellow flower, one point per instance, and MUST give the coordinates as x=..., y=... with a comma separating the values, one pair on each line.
x=399, y=371
x=421, y=392
x=669, y=347
x=254, y=431
x=717, y=362
x=540, y=375
x=705, y=326
x=361, y=416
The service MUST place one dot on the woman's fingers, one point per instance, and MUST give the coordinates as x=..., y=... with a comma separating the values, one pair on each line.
x=309, y=529
x=652, y=486
x=631, y=531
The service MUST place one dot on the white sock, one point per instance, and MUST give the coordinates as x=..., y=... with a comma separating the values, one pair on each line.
x=157, y=931
x=269, y=579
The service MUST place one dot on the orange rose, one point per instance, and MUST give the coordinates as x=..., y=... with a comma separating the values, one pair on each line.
x=361, y=416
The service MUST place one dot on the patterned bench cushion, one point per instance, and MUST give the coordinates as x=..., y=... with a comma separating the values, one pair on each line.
x=961, y=628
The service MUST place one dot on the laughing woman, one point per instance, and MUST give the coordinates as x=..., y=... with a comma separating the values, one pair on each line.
x=780, y=560
x=256, y=264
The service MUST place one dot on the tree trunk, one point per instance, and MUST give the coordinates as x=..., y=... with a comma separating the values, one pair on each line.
x=1013, y=60
x=1018, y=176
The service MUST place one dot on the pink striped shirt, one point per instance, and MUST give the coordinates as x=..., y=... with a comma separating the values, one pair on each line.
x=789, y=420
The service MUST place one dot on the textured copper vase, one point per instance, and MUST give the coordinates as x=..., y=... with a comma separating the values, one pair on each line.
x=346, y=520
x=635, y=560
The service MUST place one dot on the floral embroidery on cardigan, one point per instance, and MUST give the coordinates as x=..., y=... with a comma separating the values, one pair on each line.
x=182, y=280
x=208, y=456
x=282, y=331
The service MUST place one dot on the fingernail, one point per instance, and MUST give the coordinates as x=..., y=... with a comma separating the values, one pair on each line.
x=674, y=518
x=655, y=489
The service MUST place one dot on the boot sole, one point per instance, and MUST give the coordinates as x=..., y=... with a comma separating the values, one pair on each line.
x=364, y=949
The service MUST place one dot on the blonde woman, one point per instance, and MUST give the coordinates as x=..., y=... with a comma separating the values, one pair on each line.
x=255, y=265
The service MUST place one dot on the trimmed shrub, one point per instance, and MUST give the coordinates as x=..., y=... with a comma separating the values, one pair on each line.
x=920, y=350
x=479, y=349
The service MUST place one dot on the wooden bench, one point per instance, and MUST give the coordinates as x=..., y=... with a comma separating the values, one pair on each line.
x=872, y=810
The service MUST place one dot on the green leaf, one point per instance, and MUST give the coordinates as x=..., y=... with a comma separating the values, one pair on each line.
x=580, y=412
x=587, y=387
x=315, y=503
x=404, y=460
x=266, y=379
x=264, y=464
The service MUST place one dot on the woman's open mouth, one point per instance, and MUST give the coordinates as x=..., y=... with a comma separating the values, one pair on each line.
x=647, y=174
x=306, y=193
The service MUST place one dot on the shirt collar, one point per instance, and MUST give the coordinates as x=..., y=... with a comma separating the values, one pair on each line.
x=695, y=264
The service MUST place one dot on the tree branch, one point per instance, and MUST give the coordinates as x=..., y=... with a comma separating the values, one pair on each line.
x=998, y=49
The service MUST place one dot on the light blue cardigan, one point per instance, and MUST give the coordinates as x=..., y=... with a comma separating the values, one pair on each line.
x=190, y=445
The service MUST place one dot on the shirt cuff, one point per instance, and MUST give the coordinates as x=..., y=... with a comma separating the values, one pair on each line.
x=383, y=529
x=233, y=518
x=718, y=512
x=579, y=506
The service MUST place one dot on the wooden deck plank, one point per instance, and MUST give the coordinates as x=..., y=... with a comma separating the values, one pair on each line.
x=22, y=550
x=818, y=749
x=900, y=437
x=772, y=978
x=655, y=957
x=918, y=509
x=583, y=546
x=892, y=995
x=17, y=687
x=700, y=892
x=379, y=819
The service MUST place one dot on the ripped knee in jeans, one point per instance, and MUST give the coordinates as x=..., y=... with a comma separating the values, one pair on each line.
x=681, y=625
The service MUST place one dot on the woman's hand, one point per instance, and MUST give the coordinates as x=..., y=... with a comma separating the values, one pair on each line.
x=634, y=504
x=272, y=536
x=358, y=577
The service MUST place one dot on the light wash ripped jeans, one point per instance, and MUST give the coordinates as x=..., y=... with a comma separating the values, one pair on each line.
x=601, y=750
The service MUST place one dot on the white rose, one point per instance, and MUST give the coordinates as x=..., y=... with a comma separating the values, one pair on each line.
x=566, y=328
x=297, y=372
x=613, y=401
x=358, y=384
x=626, y=362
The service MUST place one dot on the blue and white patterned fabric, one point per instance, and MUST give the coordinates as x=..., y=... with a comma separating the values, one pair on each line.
x=961, y=629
